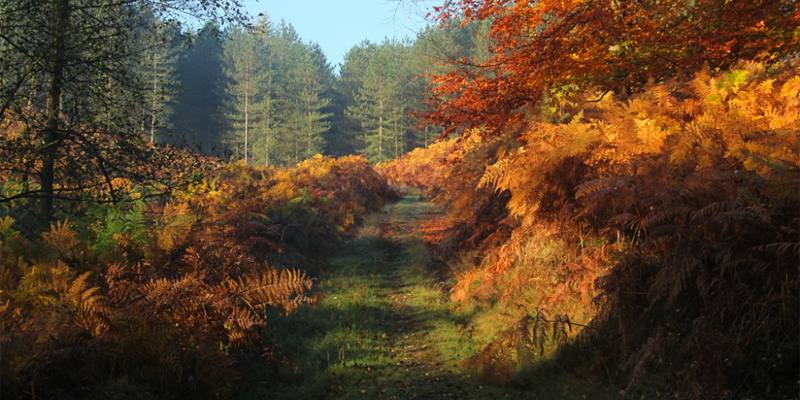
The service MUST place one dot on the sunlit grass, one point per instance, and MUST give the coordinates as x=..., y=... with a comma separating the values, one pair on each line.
x=384, y=326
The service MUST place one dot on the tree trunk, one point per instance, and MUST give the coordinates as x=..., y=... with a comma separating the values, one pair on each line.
x=34, y=92
x=246, y=101
x=308, y=134
x=295, y=139
x=109, y=116
x=153, y=104
x=402, y=131
x=55, y=90
x=380, y=131
x=267, y=132
x=396, y=143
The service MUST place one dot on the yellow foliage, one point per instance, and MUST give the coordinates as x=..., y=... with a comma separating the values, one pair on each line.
x=634, y=203
x=6, y=227
x=176, y=220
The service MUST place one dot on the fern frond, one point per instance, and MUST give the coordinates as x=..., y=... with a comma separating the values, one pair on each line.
x=61, y=237
x=494, y=174
x=600, y=185
x=791, y=88
x=781, y=249
x=7, y=228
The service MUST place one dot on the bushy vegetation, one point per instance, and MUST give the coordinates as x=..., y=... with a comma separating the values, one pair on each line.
x=620, y=183
x=165, y=297
x=657, y=233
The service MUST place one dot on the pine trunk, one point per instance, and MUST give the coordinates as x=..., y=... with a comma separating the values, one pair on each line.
x=308, y=134
x=266, y=133
x=153, y=103
x=246, y=103
x=380, y=131
x=55, y=90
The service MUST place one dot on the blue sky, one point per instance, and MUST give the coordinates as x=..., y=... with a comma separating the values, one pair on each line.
x=338, y=25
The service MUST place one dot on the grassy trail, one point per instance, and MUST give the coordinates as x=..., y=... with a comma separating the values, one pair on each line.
x=383, y=327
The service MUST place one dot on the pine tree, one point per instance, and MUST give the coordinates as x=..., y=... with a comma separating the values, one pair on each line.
x=158, y=69
x=377, y=106
x=242, y=69
x=316, y=120
x=265, y=91
x=346, y=130
x=297, y=99
x=287, y=119
x=267, y=123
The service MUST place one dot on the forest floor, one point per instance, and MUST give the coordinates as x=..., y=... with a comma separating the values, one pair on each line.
x=383, y=328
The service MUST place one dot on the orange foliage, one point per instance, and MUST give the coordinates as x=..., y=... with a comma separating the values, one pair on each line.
x=97, y=166
x=172, y=286
x=667, y=218
x=547, y=45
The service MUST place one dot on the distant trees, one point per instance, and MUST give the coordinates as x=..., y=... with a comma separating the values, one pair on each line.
x=157, y=67
x=242, y=66
x=276, y=94
x=126, y=73
x=283, y=103
x=384, y=88
x=198, y=107
x=312, y=69
x=378, y=104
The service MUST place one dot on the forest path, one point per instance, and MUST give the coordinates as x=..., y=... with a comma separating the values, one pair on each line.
x=383, y=327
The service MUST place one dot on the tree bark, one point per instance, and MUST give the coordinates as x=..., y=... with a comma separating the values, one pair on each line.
x=380, y=131
x=396, y=143
x=308, y=134
x=246, y=103
x=55, y=90
x=153, y=104
x=266, y=133
x=402, y=130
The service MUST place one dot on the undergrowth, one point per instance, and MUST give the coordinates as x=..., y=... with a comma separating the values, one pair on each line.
x=168, y=297
x=656, y=232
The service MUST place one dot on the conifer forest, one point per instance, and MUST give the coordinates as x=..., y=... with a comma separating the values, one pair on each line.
x=525, y=199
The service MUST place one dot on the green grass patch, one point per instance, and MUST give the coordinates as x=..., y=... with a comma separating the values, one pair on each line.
x=383, y=328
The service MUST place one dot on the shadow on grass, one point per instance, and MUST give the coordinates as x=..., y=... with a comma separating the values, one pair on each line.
x=383, y=329
x=346, y=345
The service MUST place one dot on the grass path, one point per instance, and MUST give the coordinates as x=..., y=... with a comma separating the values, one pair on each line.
x=383, y=327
